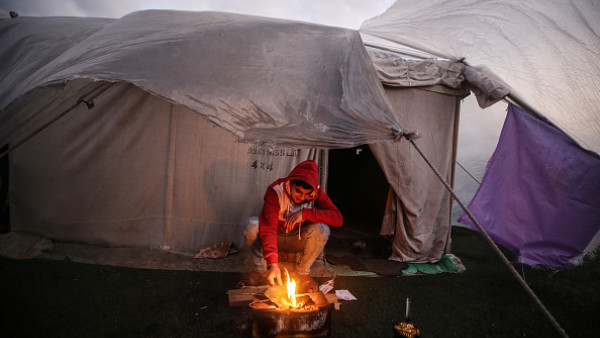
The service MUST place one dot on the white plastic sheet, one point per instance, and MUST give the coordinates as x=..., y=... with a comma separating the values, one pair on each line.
x=266, y=80
x=547, y=52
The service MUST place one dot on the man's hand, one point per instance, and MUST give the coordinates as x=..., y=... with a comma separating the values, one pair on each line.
x=274, y=274
x=292, y=220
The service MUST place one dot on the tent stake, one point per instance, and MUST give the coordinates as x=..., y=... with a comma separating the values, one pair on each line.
x=495, y=247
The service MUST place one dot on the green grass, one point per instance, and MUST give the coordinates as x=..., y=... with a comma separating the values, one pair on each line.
x=44, y=298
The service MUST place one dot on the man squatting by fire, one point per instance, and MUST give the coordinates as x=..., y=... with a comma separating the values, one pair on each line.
x=296, y=216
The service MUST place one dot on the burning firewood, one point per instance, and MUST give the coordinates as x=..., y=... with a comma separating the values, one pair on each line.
x=282, y=312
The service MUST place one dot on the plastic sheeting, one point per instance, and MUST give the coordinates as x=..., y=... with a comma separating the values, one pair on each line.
x=397, y=71
x=539, y=196
x=547, y=52
x=265, y=80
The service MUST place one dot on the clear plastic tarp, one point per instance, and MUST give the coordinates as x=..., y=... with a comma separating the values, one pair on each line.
x=547, y=52
x=267, y=80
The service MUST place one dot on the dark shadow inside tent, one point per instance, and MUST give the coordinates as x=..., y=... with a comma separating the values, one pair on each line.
x=357, y=185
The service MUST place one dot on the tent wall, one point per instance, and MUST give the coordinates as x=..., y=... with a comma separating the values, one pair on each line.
x=87, y=178
x=417, y=214
x=137, y=170
x=217, y=182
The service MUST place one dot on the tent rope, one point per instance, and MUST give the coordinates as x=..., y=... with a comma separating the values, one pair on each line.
x=468, y=173
x=495, y=247
x=97, y=91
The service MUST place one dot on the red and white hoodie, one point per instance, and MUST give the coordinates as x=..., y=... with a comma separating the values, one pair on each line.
x=278, y=204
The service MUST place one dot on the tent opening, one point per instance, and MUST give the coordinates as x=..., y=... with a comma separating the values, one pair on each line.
x=358, y=187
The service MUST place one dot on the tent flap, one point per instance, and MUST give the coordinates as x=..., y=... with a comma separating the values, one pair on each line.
x=417, y=214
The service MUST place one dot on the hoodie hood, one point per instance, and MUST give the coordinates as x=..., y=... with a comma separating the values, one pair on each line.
x=306, y=171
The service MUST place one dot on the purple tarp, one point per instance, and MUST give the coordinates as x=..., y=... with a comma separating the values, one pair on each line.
x=540, y=194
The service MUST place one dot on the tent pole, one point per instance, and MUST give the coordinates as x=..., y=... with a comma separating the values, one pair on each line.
x=453, y=167
x=170, y=181
x=88, y=101
x=495, y=247
x=455, y=139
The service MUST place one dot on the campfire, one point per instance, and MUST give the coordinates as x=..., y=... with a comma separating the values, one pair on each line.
x=291, y=290
x=282, y=312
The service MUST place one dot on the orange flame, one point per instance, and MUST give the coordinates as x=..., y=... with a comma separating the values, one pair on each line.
x=291, y=289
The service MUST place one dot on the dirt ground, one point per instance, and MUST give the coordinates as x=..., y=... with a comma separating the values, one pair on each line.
x=61, y=298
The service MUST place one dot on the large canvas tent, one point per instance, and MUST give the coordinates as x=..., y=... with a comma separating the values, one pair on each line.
x=158, y=160
x=188, y=116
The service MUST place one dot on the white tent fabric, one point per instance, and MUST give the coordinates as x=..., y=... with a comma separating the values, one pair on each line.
x=548, y=52
x=300, y=80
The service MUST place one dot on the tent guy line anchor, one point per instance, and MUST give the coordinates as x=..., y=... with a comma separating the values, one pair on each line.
x=97, y=91
x=503, y=258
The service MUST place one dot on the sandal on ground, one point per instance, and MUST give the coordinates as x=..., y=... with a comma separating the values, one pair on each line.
x=307, y=284
x=252, y=278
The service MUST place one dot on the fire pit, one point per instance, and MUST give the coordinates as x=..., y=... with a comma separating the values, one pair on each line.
x=282, y=313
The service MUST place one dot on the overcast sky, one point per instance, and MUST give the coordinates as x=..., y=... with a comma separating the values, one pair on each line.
x=341, y=13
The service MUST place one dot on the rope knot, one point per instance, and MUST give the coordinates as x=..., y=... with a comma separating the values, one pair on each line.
x=399, y=134
x=411, y=136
